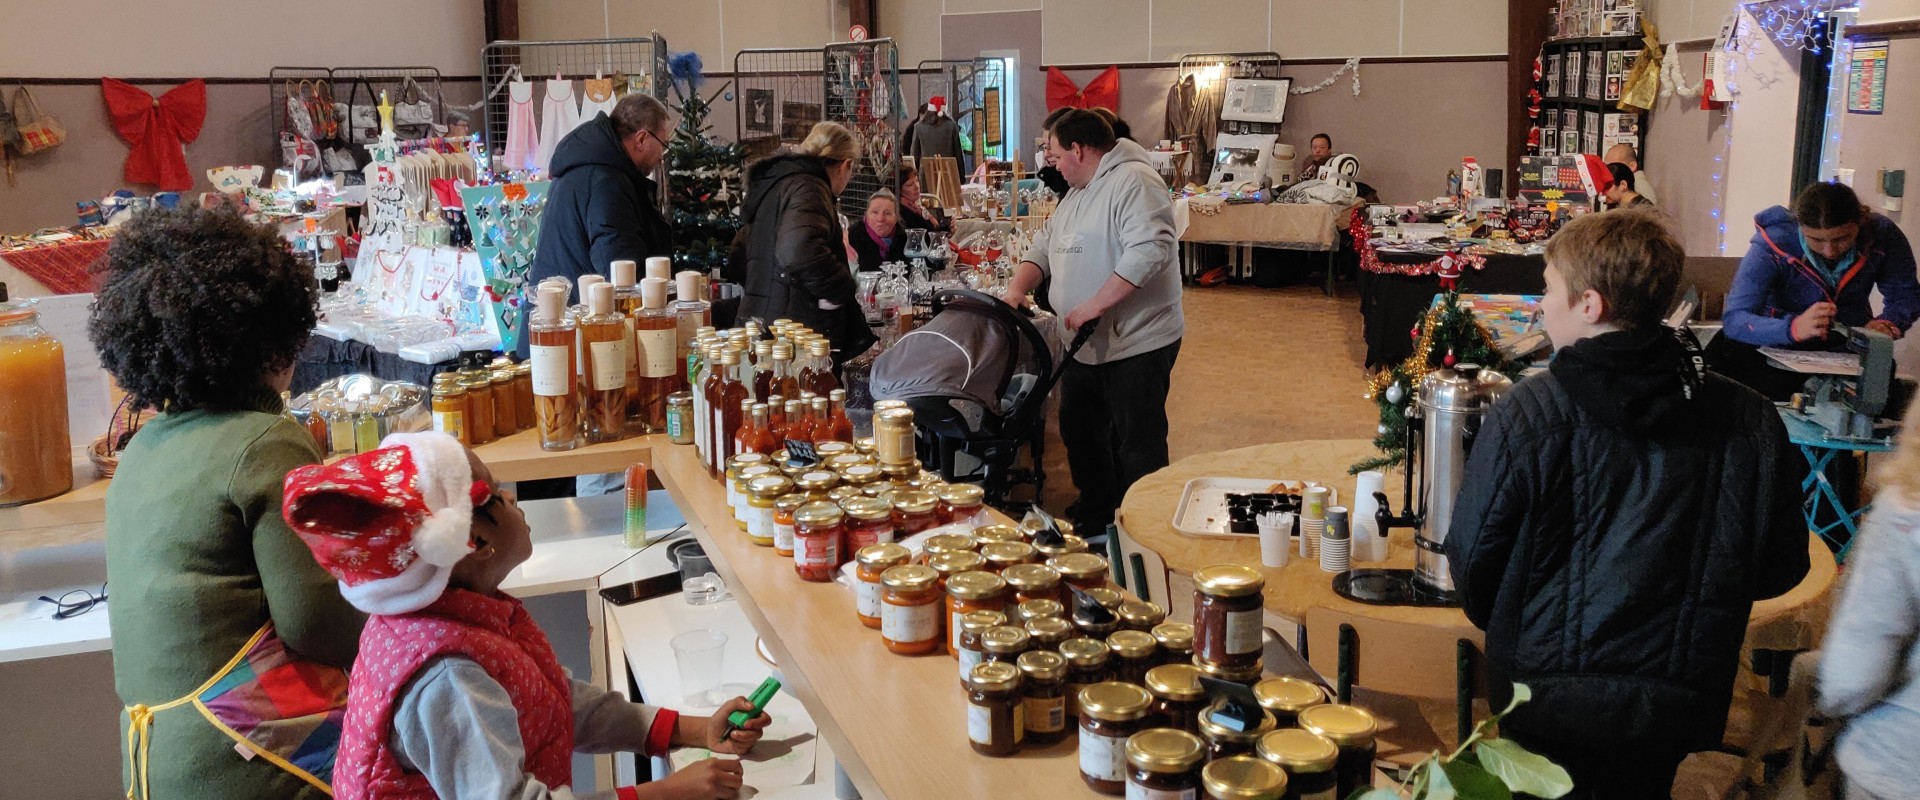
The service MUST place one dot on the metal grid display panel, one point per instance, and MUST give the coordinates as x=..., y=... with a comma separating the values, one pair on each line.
x=354, y=86
x=965, y=84
x=278, y=84
x=572, y=59
x=779, y=96
x=862, y=88
x=1235, y=65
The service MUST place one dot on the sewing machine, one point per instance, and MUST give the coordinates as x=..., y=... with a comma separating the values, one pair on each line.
x=1851, y=393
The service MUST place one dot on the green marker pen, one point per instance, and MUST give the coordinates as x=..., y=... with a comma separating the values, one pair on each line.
x=760, y=697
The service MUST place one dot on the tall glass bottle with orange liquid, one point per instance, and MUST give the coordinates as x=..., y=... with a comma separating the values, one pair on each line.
x=556, y=403
x=782, y=381
x=725, y=398
x=838, y=427
x=821, y=381
x=777, y=419
x=626, y=300
x=662, y=371
x=799, y=424
x=762, y=370
x=604, y=331
x=36, y=448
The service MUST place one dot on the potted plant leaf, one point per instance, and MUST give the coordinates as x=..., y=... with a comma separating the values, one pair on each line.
x=1481, y=768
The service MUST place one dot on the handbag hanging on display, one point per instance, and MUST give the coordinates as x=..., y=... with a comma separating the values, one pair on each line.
x=321, y=107
x=39, y=131
x=412, y=113
x=299, y=117
x=363, y=116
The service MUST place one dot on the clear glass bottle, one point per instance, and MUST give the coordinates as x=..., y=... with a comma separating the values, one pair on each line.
x=604, y=331
x=839, y=427
x=556, y=406
x=822, y=381
x=692, y=312
x=783, y=382
x=700, y=372
x=658, y=366
x=626, y=300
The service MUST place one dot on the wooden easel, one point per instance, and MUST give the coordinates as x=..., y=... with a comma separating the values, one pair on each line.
x=940, y=177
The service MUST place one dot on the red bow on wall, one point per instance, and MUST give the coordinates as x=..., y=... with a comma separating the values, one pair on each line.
x=158, y=130
x=1101, y=92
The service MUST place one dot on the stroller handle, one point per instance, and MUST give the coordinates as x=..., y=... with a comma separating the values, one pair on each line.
x=1081, y=336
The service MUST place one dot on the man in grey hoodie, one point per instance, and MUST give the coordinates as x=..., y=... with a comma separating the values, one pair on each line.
x=1109, y=250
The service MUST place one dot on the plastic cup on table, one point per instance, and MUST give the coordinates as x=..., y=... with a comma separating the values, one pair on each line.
x=1275, y=539
x=700, y=655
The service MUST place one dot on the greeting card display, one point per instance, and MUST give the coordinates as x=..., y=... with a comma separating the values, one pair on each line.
x=506, y=227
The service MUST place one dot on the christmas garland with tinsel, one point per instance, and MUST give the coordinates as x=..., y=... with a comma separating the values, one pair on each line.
x=1447, y=336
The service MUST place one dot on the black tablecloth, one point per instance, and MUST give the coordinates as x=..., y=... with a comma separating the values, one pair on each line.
x=326, y=358
x=1391, y=305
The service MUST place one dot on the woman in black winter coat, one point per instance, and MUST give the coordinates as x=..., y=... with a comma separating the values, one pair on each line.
x=791, y=252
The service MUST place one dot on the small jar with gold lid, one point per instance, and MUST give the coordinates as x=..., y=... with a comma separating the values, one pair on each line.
x=865, y=446
x=1035, y=609
x=1178, y=696
x=740, y=485
x=1164, y=762
x=968, y=592
x=819, y=534
x=1091, y=617
x=910, y=619
x=1287, y=697
x=1081, y=570
x=1001, y=555
x=1067, y=544
x=960, y=501
x=1111, y=712
x=1225, y=741
x=1087, y=661
x=736, y=497
x=1029, y=527
x=763, y=493
x=1049, y=632
x=869, y=521
x=994, y=706
x=869, y=563
x=946, y=543
x=1028, y=581
x=1140, y=615
x=948, y=565
x=1227, y=628
x=1308, y=759
x=1176, y=642
x=506, y=414
x=1242, y=777
x=882, y=489
x=913, y=512
x=1133, y=654
x=1044, y=678
x=972, y=624
x=449, y=407
x=901, y=474
x=843, y=493
x=1351, y=729
x=1005, y=643
x=828, y=450
x=1108, y=598
x=816, y=483
x=1245, y=677
x=859, y=474
x=784, y=508
x=988, y=534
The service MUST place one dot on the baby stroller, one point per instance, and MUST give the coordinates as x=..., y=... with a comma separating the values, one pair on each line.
x=977, y=376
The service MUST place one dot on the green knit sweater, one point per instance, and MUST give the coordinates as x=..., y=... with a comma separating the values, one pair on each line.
x=198, y=559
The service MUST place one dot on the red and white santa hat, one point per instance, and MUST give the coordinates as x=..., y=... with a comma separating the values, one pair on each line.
x=390, y=523
x=937, y=103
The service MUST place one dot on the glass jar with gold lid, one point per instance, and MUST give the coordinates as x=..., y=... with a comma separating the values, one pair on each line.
x=913, y=512
x=506, y=415
x=1081, y=570
x=1049, y=632
x=1045, y=687
x=843, y=493
x=971, y=591
x=742, y=485
x=869, y=521
x=910, y=620
x=1227, y=629
x=994, y=710
x=869, y=564
x=828, y=450
x=1225, y=741
x=1028, y=581
x=972, y=624
x=1287, y=697
x=1164, y=762
x=1176, y=642
x=1036, y=609
x=1107, y=598
x=1242, y=777
x=735, y=497
x=1245, y=677
x=1005, y=643
x=1308, y=759
x=763, y=493
x=784, y=507
x=881, y=489
x=816, y=483
x=1029, y=527
x=865, y=446
x=901, y=474
x=1178, y=696
x=1110, y=713
x=1351, y=729
x=1001, y=555
x=951, y=564
x=449, y=407
x=1133, y=654
x=987, y=534
x=819, y=534
x=1140, y=615
x=855, y=473
x=1087, y=661
x=960, y=501
x=1066, y=545
x=947, y=543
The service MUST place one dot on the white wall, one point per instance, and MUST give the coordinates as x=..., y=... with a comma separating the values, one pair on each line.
x=1763, y=116
x=1875, y=11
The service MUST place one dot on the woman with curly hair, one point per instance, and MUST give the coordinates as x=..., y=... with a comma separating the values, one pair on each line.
x=217, y=607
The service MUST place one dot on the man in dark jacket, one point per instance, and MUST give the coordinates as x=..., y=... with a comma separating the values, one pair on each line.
x=790, y=255
x=1620, y=515
x=601, y=207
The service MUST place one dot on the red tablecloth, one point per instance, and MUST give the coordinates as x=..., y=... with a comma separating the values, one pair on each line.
x=65, y=268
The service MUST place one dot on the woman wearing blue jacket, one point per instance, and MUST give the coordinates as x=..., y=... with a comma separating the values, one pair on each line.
x=1818, y=265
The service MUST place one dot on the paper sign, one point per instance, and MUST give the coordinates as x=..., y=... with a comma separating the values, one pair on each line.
x=436, y=286
x=1867, y=78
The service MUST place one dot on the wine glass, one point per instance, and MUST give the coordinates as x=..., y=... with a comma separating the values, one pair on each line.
x=937, y=252
x=916, y=245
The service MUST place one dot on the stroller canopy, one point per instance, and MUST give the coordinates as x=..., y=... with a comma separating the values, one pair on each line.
x=971, y=349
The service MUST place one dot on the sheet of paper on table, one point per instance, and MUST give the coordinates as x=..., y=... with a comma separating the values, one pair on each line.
x=783, y=757
x=1813, y=362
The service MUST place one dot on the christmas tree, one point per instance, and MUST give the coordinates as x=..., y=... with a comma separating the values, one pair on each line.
x=704, y=186
x=1448, y=335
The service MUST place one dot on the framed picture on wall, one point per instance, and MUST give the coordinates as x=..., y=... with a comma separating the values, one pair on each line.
x=798, y=119
x=758, y=104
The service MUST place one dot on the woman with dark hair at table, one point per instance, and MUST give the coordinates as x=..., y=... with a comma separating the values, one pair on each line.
x=913, y=216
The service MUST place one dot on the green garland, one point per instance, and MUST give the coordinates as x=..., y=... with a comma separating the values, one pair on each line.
x=1447, y=335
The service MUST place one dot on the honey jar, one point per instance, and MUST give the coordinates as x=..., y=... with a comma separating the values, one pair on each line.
x=36, y=450
x=450, y=408
x=506, y=415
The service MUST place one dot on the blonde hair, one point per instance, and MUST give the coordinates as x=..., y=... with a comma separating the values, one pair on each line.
x=1630, y=257
x=831, y=141
x=884, y=194
x=1900, y=474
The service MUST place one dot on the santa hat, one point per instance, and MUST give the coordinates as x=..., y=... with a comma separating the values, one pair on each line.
x=1595, y=172
x=937, y=103
x=391, y=523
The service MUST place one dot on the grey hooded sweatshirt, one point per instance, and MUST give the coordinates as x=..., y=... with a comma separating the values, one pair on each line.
x=1121, y=224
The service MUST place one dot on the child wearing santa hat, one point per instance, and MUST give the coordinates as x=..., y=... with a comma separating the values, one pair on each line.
x=457, y=693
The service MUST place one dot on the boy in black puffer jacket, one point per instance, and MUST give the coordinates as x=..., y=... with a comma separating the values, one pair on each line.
x=1621, y=513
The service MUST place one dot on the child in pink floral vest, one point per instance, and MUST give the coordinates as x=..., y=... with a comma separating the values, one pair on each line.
x=457, y=693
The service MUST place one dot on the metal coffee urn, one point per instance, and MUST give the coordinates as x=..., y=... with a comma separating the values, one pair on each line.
x=1453, y=404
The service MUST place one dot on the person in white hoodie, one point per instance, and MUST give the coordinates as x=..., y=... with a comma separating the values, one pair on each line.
x=1109, y=249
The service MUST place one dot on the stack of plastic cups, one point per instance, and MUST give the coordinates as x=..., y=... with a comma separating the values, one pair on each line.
x=1313, y=520
x=1335, y=542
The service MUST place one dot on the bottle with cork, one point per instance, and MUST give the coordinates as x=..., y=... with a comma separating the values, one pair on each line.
x=626, y=300
x=724, y=393
x=691, y=308
x=551, y=351
x=660, y=373
x=604, y=331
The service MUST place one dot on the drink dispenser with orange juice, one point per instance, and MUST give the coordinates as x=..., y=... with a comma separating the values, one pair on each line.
x=35, y=449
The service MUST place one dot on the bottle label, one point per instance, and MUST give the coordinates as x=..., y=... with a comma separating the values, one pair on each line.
x=953, y=635
x=980, y=724
x=609, y=364
x=819, y=551
x=783, y=540
x=552, y=370
x=1244, y=632
x=760, y=522
x=676, y=425
x=657, y=356
x=1019, y=722
x=1137, y=792
x=1046, y=714
x=866, y=598
x=1102, y=757
x=968, y=660
x=909, y=623
x=450, y=423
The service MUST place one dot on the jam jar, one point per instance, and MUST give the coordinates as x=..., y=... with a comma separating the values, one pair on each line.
x=1005, y=643
x=1049, y=632
x=1030, y=610
x=1082, y=571
x=735, y=498
x=910, y=622
x=995, y=724
x=1224, y=741
x=1087, y=664
x=1176, y=642
x=1001, y=555
x=1245, y=677
x=881, y=489
x=959, y=502
x=742, y=487
x=972, y=624
x=1287, y=697
x=988, y=534
x=819, y=528
x=968, y=592
x=901, y=474
x=844, y=462
x=1029, y=527
x=1108, y=598
x=1308, y=759
x=951, y=564
x=861, y=475
x=1242, y=777
x=1066, y=545
x=843, y=493
x=913, y=512
x=869, y=521
x=1227, y=626
x=1110, y=713
x=763, y=493
x=816, y=483
x=1351, y=729
x=1164, y=764
x=1177, y=696
x=1133, y=654
x=1045, y=678
x=828, y=451
x=1031, y=581
x=1095, y=621
x=944, y=543
x=784, y=507
x=1140, y=615
x=869, y=563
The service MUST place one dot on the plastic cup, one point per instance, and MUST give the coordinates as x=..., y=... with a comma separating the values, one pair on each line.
x=700, y=655
x=1275, y=541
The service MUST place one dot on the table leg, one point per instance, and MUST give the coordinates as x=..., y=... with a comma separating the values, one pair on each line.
x=1820, y=492
x=1331, y=252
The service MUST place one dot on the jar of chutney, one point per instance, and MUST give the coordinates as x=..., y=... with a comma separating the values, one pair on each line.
x=1081, y=570
x=1224, y=741
x=870, y=563
x=1049, y=632
x=1133, y=655
x=968, y=592
x=1004, y=644
x=1030, y=581
x=972, y=625
x=1227, y=628
x=1178, y=696
x=994, y=710
x=910, y=610
x=1031, y=610
x=1140, y=615
x=1087, y=661
x=1176, y=642
x=1110, y=713
x=1351, y=729
x=1044, y=676
x=1164, y=764
x=1242, y=778
x=1308, y=759
x=1287, y=697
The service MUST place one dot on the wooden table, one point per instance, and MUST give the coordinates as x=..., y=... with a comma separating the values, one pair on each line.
x=898, y=723
x=1793, y=621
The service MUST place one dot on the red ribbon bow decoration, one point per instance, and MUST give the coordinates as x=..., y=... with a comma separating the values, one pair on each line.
x=1101, y=92
x=157, y=130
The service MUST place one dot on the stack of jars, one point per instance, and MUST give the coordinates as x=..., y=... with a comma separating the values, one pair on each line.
x=480, y=404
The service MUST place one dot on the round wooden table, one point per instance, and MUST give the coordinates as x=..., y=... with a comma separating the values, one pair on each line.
x=1793, y=621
